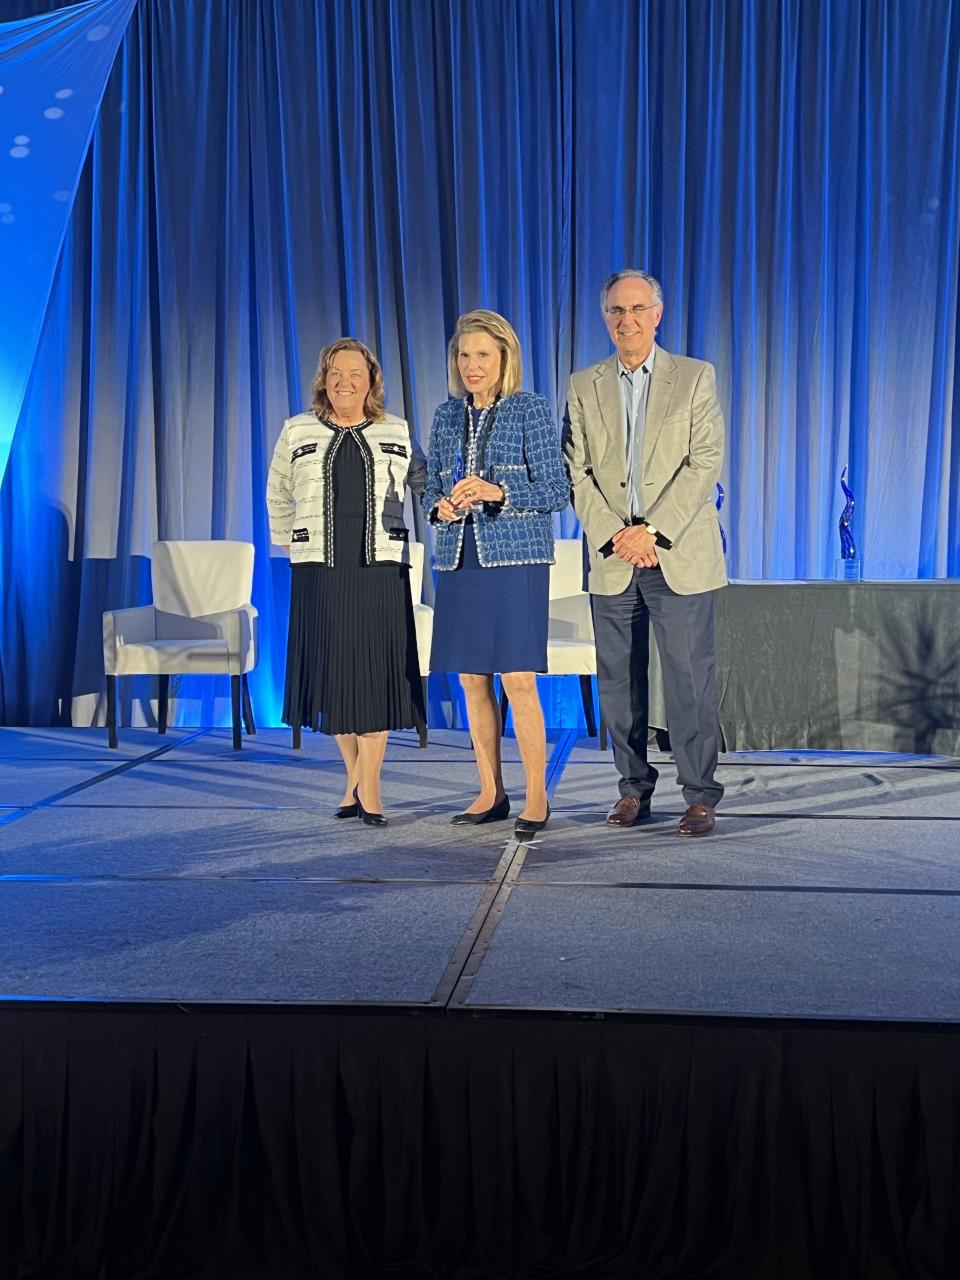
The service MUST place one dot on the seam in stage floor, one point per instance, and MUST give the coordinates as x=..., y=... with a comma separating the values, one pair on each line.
x=705, y=887
x=951, y=766
x=454, y=987
x=724, y=815
x=100, y=878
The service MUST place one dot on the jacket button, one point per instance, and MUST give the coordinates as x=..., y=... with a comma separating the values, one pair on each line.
x=623, y=484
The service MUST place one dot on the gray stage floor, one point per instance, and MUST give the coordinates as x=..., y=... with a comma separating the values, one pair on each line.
x=177, y=870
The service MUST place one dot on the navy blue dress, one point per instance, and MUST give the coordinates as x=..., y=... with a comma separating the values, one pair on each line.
x=490, y=620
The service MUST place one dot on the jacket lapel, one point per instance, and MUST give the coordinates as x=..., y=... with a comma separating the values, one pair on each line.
x=610, y=405
x=662, y=382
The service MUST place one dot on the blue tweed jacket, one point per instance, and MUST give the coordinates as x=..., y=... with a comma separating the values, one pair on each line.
x=522, y=456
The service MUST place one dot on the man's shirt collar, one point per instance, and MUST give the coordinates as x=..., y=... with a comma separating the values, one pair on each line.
x=644, y=364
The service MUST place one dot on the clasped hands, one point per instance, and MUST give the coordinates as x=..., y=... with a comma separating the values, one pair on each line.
x=467, y=494
x=635, y=545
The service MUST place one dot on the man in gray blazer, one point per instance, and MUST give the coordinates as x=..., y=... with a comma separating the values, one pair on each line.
x=644, y=446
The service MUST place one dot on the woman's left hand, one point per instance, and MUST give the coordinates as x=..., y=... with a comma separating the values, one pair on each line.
x=471, y=490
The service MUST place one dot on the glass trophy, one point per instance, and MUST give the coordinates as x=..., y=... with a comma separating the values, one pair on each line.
x=459, y=470
x=720, y=497
x=848, y=568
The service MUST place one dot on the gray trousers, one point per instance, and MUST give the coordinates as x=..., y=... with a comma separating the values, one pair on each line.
x=684, y=630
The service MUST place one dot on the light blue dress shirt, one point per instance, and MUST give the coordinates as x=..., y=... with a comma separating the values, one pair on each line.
x=635, y=391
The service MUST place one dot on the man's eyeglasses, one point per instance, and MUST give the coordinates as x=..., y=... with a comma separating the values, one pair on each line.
x=619, y=312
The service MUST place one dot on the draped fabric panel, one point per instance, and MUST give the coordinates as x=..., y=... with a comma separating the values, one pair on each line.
x=266, y=176
x=53, y=70
x=255, y=1144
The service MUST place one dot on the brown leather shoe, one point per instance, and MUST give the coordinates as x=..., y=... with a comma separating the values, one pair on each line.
x=627, y=811
x=699, y=820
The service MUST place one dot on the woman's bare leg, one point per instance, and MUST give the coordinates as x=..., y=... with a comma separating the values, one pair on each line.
x=521, y=687
x=347, y=742
x=484, y=717
x=370, y=751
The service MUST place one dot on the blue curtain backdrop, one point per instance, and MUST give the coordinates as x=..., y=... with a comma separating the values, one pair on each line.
x=265, y=176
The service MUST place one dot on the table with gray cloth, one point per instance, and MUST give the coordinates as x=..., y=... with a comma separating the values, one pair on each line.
x=836, y=666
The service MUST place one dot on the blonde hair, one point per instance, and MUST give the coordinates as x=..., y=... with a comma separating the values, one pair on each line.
x=373, y=404
x=502, y=333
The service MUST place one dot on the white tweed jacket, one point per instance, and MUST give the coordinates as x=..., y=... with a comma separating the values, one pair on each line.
x=300, y=493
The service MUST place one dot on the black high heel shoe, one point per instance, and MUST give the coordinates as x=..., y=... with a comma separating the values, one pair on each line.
x=524, y=828
x=348, y=811
x=499, y=811
x=366, y=817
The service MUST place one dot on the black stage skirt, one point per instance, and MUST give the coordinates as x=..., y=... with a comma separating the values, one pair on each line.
x=352, y=645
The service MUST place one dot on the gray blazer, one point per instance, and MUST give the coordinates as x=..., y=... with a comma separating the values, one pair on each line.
x=682, y=456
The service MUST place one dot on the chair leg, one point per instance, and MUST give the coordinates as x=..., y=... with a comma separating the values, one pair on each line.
x=235, y=711
x=422, y=728
x=111, y=711
x=163, y=700
x=504, y=706
x=297, y=731
x=586, y=697
x=249, y=723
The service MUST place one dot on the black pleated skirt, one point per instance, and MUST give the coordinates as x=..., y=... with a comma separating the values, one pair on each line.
x=352, y=650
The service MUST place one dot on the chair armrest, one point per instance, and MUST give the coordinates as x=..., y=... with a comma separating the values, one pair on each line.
x=570, y=618
x=238, y=627
x=423, y=621
x=126, y=626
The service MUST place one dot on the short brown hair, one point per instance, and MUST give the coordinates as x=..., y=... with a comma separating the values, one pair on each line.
x=503, y=334
x=373, y=405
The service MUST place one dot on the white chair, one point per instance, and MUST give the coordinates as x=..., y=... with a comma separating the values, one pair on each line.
x=201, y=622
x=571, y=650
x=423, y=621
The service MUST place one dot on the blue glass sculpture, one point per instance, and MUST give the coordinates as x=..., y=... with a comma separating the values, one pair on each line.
x=459, y=473
x=847, y=568
x=720, y=497
x=848, y=549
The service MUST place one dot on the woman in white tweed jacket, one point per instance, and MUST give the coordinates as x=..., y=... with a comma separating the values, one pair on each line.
x=335, y=498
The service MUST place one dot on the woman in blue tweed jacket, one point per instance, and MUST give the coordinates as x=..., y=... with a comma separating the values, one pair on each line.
x=494, y=478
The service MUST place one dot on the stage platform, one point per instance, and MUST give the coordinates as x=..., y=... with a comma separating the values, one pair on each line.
x=178, y=870
x=241, y=1039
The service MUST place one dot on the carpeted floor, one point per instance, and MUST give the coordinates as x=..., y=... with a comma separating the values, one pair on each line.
x=177, y=870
